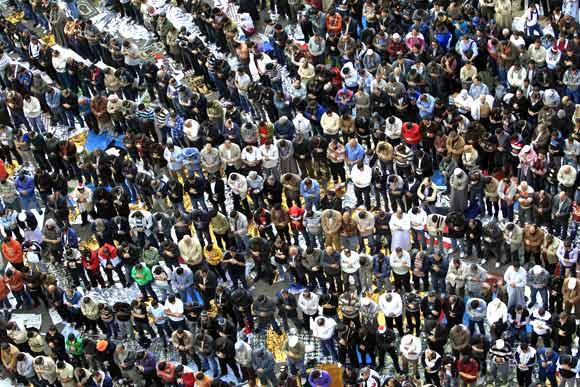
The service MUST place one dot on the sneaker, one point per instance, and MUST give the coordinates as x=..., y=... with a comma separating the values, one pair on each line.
x=497, y=265
x=483, y=261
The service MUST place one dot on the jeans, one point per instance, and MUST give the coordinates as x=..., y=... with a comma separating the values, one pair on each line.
x=164, y=331
x=419, y=239
x=36, y=124
x=164, y=290
x=328, y=348
x=73, y=9
x=296, y=366
x=126, y=329
x=147, y=289
x=350, y=243
x=438, y=283
x=112, y=329
x=573, y=94
x=29, y=202
x=5, y=304
x=534, y=296
x=198, y=202
x=309, y=202
x=432, y=242
x=479, y=324
x=186, y=294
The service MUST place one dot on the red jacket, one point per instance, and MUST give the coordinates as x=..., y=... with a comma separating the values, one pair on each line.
x=411, y=133
x=91, y=263
x=112, y=251
x=168, y=374
x=3, y=172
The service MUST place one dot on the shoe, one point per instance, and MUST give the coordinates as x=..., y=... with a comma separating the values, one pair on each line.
x=497, y=265
x=483, y=261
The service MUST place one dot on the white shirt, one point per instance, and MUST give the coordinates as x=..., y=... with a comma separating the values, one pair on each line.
x=540, y=323
x=253, y=156
x=330, y=123
x=525, y=357
x=518, y=277
x=302, y=125
x=350, y=264
x=394, y=308
x=412, y=351
x=270, y=156
x=393, y=131
x=400, y=224
x=158, y=313
x=418, y=221
x=361, y=178
x=309, y=307
x=496, y=311
x=325, y=331
x=59, y=63
x=176, y=307
x=397, y=262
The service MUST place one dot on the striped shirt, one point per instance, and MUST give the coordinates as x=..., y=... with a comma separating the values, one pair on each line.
x=146, y=114
x=161, y=118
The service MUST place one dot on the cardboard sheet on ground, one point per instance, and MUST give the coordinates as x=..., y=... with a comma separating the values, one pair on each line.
x=27, y=320
x=55, y=317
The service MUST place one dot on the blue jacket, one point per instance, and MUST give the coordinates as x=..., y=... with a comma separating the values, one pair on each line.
x=382, y=268
x=552, y=361
x=71, y=238
x=25, y=187
x=285, y=130
x=314, y=190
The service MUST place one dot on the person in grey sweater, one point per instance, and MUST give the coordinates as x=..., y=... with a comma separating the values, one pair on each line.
x=537, y=280
x=313, y=226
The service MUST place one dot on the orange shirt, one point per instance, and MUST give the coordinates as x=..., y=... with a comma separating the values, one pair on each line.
x=12, y=251
x=16, y=282
x=4, y=290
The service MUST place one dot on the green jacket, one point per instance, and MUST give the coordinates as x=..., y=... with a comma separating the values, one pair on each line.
x=75, y=348
x=145, y=278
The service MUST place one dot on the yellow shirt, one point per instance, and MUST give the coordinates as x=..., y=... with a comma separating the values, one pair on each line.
x=213, y=257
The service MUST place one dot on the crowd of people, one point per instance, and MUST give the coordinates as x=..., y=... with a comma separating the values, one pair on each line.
x=380, y=156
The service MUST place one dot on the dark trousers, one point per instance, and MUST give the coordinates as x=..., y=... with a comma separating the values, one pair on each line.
x=395, y=321
x=118, y=269
x=402, y=281
x=363, y=193
x=224, y=363
x=524, y=377
x=394, y=357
